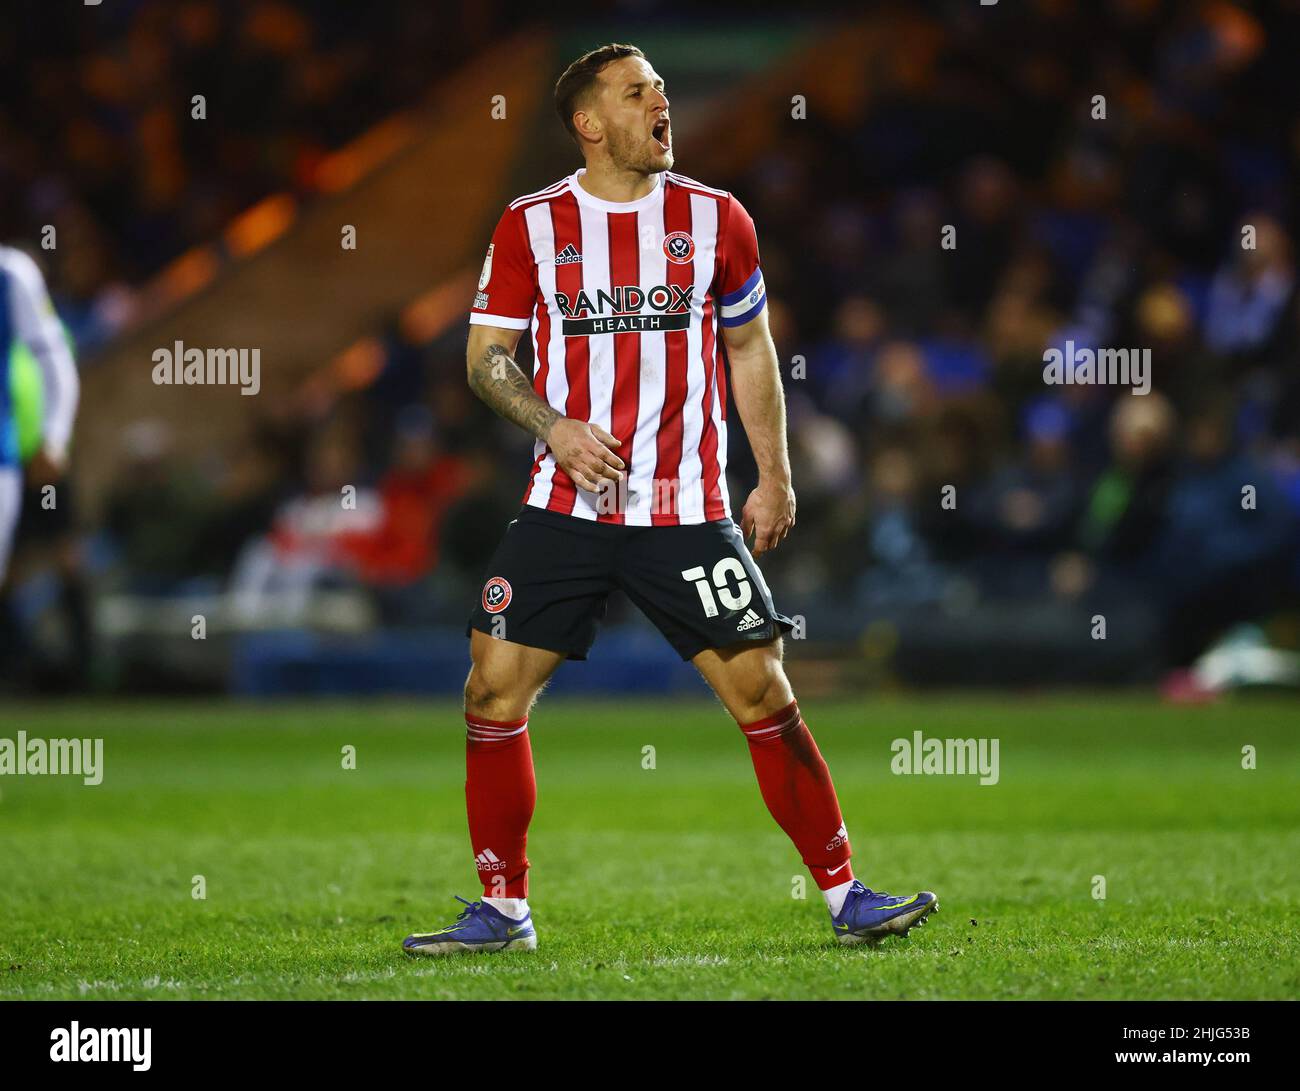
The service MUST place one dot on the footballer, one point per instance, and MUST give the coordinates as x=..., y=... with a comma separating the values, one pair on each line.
x=28, y=322
x=636, y=284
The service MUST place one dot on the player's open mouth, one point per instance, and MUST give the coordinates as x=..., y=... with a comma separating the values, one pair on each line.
x=662, y=134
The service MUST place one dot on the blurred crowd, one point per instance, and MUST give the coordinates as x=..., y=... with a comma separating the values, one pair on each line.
x=99, y=138
x=1165, y=224
x=391, y=490
x=935, y=469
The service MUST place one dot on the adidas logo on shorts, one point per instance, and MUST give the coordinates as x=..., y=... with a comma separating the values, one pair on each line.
x=750, y=621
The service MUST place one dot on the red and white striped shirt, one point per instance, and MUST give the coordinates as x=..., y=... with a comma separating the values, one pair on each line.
x=624, y=300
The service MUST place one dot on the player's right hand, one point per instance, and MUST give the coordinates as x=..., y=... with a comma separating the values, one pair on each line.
x=585, y=452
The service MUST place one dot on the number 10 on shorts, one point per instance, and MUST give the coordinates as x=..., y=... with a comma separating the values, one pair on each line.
x=732, y=600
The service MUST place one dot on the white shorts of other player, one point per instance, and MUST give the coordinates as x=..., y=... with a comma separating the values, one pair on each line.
x=11, y=502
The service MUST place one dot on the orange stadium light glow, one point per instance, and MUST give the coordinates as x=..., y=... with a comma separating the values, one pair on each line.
x=359, y=364
x=342, y=169
x=189, y=273
x=260, y=225
x=429, y=315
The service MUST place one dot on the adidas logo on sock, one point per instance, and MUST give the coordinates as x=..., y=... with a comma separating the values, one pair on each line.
x=568, y=256
x=750, y=621
x=487, y=860
x=841, y=836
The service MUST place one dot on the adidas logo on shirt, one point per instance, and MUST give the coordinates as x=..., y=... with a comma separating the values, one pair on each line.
x=488, y=860
x=568, y=256
x=750, y=621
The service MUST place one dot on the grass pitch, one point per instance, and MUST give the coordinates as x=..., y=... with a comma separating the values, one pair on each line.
x=669, y=882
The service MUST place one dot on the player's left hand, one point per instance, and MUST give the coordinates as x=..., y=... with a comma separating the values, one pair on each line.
x=768, y=515
x=45, y=467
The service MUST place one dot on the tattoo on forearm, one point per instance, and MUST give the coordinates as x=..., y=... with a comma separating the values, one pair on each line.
x=501, y=384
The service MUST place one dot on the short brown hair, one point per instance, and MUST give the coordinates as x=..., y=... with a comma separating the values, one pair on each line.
x=580, y=77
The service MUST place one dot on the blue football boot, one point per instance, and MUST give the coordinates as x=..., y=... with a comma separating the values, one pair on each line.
x=868, y=916
x=478, y=928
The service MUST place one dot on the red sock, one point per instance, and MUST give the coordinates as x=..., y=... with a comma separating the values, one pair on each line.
x=500, y=794
x=797, y=789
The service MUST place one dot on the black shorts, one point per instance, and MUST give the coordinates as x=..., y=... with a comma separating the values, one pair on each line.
x=549, y=580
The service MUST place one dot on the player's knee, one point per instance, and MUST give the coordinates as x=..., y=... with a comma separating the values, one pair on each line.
x=492, y=696
x=764, y=692
x=481, y=696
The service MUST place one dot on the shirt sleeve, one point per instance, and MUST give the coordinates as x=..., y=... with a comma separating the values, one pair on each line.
x=37, y=325
x=507, y=287
x=741, y=294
